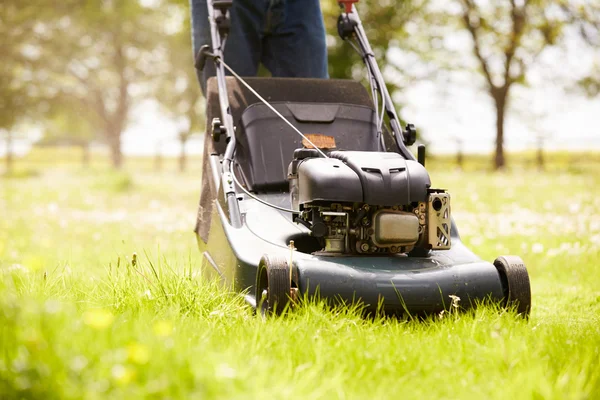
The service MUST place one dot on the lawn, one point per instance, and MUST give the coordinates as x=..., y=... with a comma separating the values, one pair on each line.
x=101, y=297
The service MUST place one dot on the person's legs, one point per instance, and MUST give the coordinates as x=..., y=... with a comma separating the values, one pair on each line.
x=294, y=44
x=243, y=46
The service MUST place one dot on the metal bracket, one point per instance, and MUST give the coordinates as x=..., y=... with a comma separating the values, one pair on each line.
x=345, y=26
x=438, y=221
x=223, y=20
x=227, y=183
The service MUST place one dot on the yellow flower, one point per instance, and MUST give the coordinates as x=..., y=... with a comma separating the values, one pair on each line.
x=138, y=353
x=98, y=318
x=163, y=328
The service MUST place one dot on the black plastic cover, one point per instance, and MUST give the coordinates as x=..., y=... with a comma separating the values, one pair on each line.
x=327, y=179
x=387, y=179
x=298, y=90
x=266, y=144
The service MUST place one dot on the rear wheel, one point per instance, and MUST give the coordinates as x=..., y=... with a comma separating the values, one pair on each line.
x=515, y=283
x=273, y=286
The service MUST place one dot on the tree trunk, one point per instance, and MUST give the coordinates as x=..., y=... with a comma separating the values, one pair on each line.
x=9, y=152
x=158, y=158
x=115, y=150
x=499, y=160
x=540, y=155
x=158, y=161
x=85, y=154
x=182, y=154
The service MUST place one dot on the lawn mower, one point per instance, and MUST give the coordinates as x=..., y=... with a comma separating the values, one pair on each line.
x=309, y=189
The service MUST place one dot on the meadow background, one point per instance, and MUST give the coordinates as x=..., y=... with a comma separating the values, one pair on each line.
x=80, y=319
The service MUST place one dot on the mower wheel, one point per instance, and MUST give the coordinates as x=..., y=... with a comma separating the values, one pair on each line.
x=273, y=286
x=515, y=283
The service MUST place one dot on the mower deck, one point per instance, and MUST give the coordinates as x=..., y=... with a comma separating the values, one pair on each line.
x=397, y=283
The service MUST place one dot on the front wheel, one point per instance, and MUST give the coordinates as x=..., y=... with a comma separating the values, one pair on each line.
x=515, y=283
x=273, y=285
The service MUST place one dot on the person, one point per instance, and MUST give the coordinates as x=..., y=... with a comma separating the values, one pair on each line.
x=286, y=36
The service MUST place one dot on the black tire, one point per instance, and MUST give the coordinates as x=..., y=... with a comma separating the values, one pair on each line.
x=273, y=285
x=515, y=283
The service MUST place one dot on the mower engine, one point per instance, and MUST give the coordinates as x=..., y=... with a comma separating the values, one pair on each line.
x=368, y=202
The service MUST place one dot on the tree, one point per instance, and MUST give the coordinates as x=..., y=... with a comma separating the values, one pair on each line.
x=19, y=47
x=104, y=60
x=507, y=38
x=586, y=18
x=178, y=92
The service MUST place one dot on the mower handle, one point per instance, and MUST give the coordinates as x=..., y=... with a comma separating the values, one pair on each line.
x=222, y=5
x=347, y=4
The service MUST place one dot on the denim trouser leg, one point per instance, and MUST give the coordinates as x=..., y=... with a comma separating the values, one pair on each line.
x=288, y=36
x=295, y=43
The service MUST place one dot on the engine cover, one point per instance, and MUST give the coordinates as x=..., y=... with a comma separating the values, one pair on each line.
x=375, y=178
x=328, y=180
x=387, y=179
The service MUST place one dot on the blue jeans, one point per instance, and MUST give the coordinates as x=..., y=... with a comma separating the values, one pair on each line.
x=286, y=36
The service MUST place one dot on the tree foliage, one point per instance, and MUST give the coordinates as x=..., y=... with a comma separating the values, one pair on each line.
x=586, y=19
x=178, y=92
x=20, y=51
x=106, y=62
x=22, y=44
x=384, y=23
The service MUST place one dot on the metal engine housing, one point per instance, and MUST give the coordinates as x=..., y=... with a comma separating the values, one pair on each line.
x=368, y=202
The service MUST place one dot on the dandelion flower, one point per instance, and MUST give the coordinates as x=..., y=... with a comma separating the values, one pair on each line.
x=138, y=353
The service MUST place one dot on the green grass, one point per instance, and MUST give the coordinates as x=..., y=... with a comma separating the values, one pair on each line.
x=80, y=319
